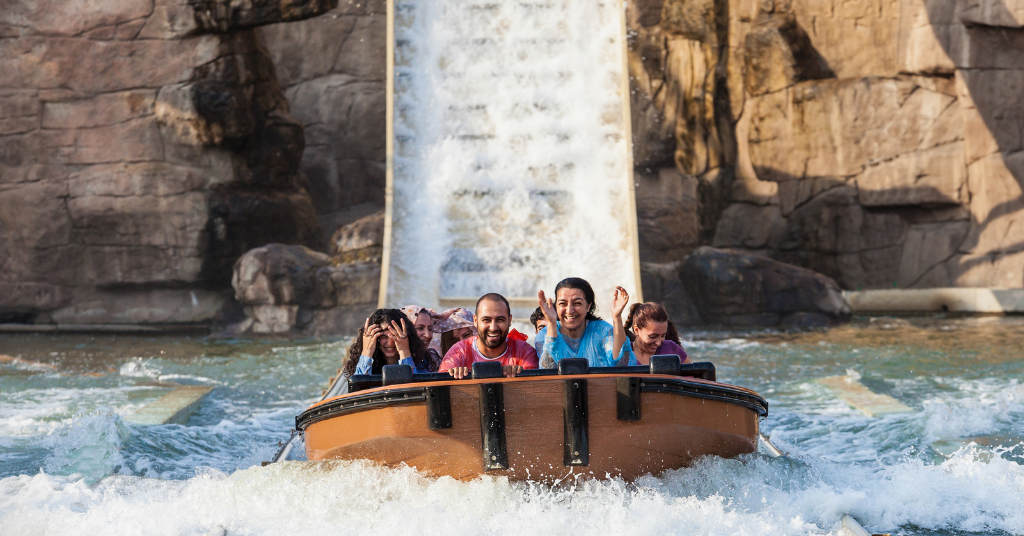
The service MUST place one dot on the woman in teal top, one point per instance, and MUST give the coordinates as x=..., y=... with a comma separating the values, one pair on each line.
x=578, y=332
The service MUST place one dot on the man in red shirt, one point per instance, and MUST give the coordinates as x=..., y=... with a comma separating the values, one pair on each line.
x=493, y=320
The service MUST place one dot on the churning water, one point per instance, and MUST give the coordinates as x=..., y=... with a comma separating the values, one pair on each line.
x=511, y=167
x=71, y=464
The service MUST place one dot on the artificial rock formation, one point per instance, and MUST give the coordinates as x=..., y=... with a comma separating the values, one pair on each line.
x=332, y=70
x=293, y=290
x=144, y=146
x=875, y=142
x=742, y=290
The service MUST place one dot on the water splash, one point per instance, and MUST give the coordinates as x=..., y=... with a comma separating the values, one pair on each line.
x=750, y=495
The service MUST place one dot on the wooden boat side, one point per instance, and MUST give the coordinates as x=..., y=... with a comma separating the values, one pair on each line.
x=673, y=430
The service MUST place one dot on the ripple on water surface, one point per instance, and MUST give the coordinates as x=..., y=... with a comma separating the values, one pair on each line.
x=71, y=464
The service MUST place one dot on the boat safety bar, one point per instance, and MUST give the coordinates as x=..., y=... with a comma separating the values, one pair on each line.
x=660, y=364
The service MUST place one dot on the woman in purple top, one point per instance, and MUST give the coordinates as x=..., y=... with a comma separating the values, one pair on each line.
x=650, y=332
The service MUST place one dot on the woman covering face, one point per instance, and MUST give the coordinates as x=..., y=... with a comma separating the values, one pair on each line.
x=386, y=338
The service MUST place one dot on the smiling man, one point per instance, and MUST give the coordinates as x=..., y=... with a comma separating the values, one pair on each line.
x=493, y=321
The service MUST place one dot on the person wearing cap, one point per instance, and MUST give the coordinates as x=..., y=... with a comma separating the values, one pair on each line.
x=493, y=322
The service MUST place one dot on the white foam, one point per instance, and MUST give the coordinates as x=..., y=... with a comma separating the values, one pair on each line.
x=753, y=495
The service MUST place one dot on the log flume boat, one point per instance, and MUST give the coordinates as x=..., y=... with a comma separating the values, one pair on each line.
x=544, y=425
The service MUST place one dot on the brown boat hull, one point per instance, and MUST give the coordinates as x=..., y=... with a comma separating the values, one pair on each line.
x=675, y=427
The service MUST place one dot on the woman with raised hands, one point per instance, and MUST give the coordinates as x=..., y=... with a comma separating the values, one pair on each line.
x=574, y=330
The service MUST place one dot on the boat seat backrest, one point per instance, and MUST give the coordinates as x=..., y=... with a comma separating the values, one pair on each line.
x=395, y=374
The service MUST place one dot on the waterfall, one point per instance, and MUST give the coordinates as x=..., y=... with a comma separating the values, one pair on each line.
x=511, y=162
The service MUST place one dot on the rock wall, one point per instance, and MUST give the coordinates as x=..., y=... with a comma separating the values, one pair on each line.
x=877, y=142
x=332, y=69
x=144, y=146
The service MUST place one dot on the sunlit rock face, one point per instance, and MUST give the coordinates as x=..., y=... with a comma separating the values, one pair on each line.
x=876, y=142
x=144, y=146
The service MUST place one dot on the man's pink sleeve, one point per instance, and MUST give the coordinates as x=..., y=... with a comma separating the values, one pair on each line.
x=456, y=357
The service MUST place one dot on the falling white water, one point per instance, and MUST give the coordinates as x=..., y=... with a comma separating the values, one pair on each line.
x=511, y=161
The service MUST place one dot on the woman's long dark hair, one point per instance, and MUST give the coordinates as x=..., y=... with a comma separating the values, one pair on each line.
x=640, y=314
x=588, y=293
x=384, y=316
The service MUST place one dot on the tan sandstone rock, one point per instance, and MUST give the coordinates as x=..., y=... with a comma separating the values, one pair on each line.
x=1001, y=13
x=144, y=146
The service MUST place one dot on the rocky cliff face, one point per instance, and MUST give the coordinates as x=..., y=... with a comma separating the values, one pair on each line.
x=332, y=69
x=877, y=142
x=144, y=146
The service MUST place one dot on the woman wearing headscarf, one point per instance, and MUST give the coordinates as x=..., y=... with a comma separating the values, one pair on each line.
x=424, y=320
x=457, y=326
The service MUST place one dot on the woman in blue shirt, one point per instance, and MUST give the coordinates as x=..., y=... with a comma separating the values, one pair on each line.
x=578, y=332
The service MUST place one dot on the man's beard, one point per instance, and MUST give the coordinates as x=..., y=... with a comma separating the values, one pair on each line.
x=501, y=339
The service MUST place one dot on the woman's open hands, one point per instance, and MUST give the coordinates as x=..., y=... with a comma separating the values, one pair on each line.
x=370, y=334
x=547, y=306
x=619, y=301
x=398, y=334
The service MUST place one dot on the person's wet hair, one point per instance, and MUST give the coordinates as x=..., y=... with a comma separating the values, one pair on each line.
x=588, y=293
x=384, y=316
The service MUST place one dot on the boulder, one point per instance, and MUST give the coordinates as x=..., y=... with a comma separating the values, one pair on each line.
x=666, y=210
x=739, y=289
x=755, y=227
x=362, y=239
x=663, y=284
x=295, y=291
x=278, y=274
